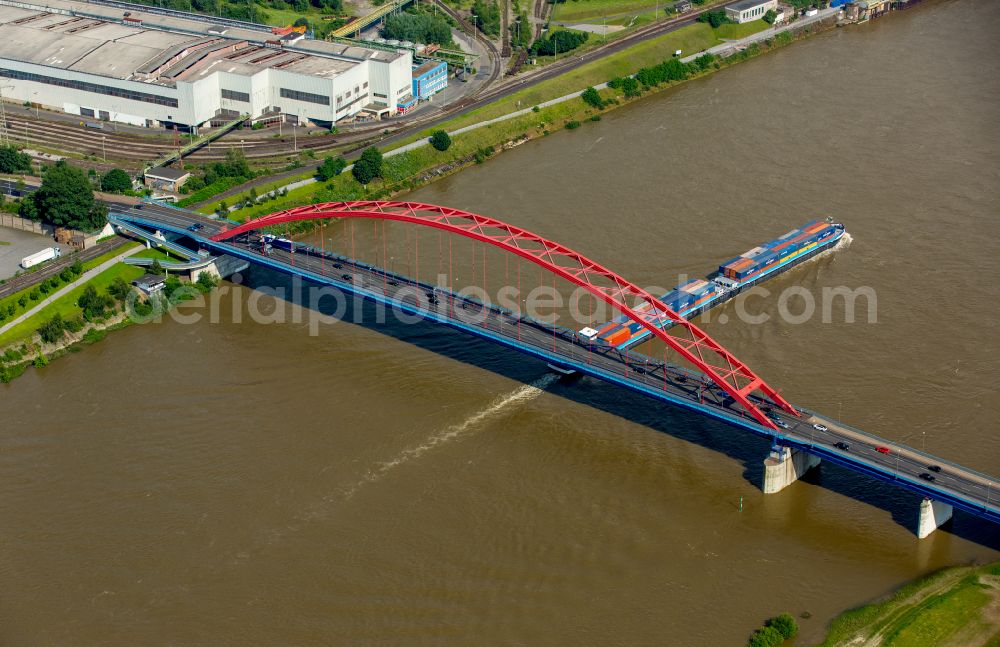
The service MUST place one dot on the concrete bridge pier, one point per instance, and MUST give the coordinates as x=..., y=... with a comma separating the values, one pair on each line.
x=784, y=465
x=933, y=514
x=222, y=267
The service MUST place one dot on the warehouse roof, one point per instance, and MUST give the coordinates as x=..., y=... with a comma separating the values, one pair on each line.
x=156, y=48
x=746, y=4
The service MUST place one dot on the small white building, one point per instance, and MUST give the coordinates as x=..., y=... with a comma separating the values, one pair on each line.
x=750, y=10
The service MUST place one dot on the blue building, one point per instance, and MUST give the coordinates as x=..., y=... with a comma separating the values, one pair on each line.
x=429, y=79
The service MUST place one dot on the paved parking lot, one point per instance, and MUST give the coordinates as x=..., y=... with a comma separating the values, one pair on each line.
x=21, y=244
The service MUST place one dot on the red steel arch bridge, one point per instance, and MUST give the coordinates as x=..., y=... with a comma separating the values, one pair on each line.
x=714, y=381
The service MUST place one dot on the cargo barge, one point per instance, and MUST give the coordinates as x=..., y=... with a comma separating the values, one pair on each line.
x=733, y=277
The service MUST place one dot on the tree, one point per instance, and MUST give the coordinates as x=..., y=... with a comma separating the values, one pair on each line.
x=119, y=289
x=486, y=16
x=785, y=625
x=330, y=167
x=369, y=166
x=156, y=268
x=53, y=329
x=592, y=98
x=92, y=303
x=14, y=161
x=441, y=140
x=770, y=16
x=560, y=41
x=116, y=181
x=420, y=28
x=66, y=199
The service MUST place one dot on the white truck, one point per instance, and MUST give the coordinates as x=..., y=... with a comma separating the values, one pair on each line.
x=37, y=258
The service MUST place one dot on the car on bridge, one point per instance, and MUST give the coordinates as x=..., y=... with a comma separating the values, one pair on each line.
x=927, y=477
x=882, y=449
x=819, y=427
x=842, y=445
x=778, y=421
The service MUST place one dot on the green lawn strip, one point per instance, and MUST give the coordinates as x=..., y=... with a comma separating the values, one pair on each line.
x=107, y=256
x=732, y=31
x=869, y=619
x=940, y=616
x=66, y=304
x=210, y=208
x=594, y=10
x=690, y=39
x=158, y=253
x=287, y=17
x=13, y=298
x=922, y=612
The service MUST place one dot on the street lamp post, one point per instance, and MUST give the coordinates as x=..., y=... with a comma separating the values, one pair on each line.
x=104, y=150
x=898, y=453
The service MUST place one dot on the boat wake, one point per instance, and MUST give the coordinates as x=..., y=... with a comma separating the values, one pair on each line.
x=498, y=407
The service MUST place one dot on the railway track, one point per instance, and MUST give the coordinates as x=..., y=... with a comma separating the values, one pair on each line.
x=123, y=146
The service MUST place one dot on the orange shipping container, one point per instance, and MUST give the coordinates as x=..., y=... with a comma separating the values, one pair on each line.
x=618, y=337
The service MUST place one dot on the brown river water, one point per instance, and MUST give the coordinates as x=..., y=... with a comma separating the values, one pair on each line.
x=223, y=483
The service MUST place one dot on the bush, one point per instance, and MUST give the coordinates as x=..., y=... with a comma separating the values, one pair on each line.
x=714, y=18
x=14, y=161
x=592, y=98
x=441, y=140
x=483, y=154
x=765, y=637
x=631, y=88
x=206, y=282
x=572, y=125
x=560, y=41
x=330, y=167
x=785, y=625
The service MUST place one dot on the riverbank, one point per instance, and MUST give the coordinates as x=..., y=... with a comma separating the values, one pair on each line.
x=529, y=114
x=957, y=607
x=415, y=164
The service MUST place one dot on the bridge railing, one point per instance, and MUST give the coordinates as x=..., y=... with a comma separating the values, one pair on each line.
x=879, y=440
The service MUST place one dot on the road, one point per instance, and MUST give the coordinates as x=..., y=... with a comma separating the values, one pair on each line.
x=901, y=465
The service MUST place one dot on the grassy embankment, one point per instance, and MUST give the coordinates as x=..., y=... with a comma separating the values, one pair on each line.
x=413, y=168
x=957, y=607
x=66, y=305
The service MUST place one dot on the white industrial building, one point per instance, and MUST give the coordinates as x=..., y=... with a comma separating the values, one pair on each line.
x=149, y=69
x=749, y=10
